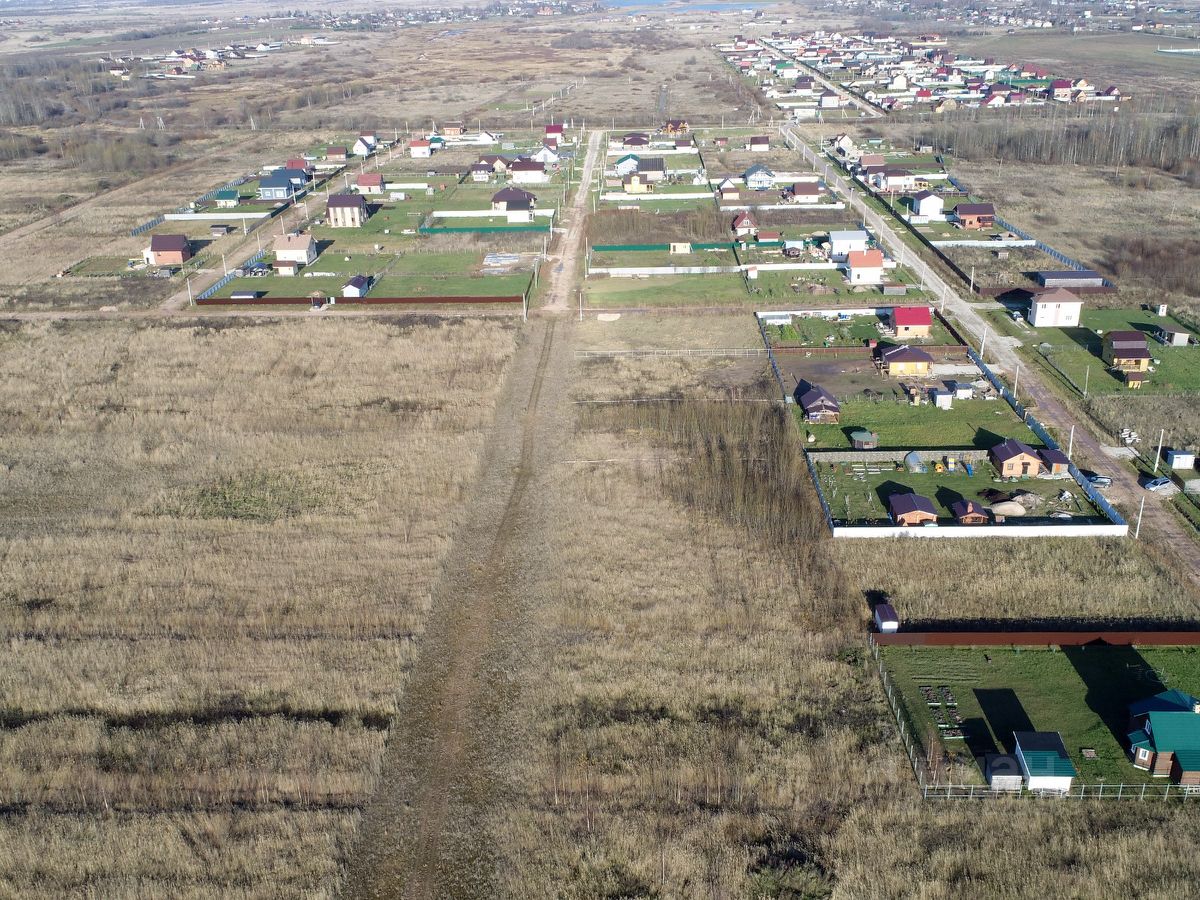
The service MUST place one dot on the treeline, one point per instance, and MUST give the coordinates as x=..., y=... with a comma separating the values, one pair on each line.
x=1170, y=142
x=20, y=146
x=57, y=92
x=95, y=151
x=1171, y=263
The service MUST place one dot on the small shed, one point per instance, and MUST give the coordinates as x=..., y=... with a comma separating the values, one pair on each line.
x=1173, y=338
x=968, y=512
x=913, y=462
x=1055, y=461
x=1181, y=459
x=1044, y=761
x=942, y=398
x=861, y=439
x=1003, y=772
x=886, y=620
x=912, y=509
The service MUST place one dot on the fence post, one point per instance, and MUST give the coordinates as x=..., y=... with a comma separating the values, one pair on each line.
x=1120, y=789
x=1143, y=797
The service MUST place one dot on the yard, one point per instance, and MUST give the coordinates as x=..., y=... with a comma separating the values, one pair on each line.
x=851, y=331
x=1010, y=273
x=666, y=290
x=858, y=493
x=1075, y=352
x=802, y=283
x=1081, y=692
x=970, y=424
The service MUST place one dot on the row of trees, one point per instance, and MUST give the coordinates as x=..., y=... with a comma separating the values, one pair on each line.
x=1169, y=141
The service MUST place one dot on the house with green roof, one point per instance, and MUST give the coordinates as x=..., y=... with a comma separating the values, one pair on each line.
x=1044, y=761
x=1164, y=736
x=227, y=198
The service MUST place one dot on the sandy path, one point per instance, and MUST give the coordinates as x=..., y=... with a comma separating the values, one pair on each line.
x=423, y=834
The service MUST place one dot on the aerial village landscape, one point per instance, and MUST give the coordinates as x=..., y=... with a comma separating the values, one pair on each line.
x=692, y=450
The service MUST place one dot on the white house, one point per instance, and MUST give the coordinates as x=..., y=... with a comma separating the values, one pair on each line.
x=356, y=287
x=928, y=205
x=364, y=146
x=1044, y=761
x=420, y=149
x=843, y=243
x=864, y=266
x=546, y=156
x=759, y=178
x=626, y=165
x=1055, y=308
x=296, y=248
x=528, y=172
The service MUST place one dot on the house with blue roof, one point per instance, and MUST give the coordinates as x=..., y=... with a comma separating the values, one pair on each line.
x=276, y=186
x=1164, y=736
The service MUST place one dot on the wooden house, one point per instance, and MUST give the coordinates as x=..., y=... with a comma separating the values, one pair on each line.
x=1012, y=459
x=1164, y=736
x=900, y=361
x=818, y=404
x=911, y=509
x=968, y=512
x=1126, y=351
x=911, y=321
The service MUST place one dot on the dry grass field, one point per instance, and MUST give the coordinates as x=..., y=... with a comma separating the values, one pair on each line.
x=698, y=714
x=219, y=545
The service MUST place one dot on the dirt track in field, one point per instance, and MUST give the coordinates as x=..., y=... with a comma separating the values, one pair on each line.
x=422, y=835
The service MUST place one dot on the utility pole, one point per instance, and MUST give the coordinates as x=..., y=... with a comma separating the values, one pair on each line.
x=1158, y=453
x=1138, y=531
x=580, y=305
x=1016, y=379
x=1071, y=442
x=191, y=302
x=1086, y=373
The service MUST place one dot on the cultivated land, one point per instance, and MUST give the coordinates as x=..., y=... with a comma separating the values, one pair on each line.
x=1082, y=692
x=389, y=606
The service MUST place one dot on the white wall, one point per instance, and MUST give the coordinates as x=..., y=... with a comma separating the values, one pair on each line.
x=978, y=531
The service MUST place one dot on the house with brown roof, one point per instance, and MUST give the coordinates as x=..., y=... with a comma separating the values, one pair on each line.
x=1126, y=351
x=300, y=249
x=818, y=404
x=975, y=216
x=911, y=509
x=675, y=126
x=346, y=211
x=420, y=149
x=968, y=512
x=637, y=183
x=336, y=154
x=369, y=183
x=1015, y=459
x=901, y=360
x=744, y=225
x=528, y=171
x=168, y=250
x=864, y=266
x=514, y=198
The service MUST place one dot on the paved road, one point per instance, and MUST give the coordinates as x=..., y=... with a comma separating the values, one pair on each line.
x=1126, y=493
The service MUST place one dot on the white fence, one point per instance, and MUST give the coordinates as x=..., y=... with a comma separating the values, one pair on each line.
x=480, y=213
x=985, y=245
x=978, y=531
x=621, y=197
x=216, y=217
x=643, y=271
x=651, y=351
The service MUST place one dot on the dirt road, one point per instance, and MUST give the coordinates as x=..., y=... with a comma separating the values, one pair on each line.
x=1157, y=520
x=424, y=833
x=565, y=265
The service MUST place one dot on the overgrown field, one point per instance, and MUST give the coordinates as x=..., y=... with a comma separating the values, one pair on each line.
x=218, y=550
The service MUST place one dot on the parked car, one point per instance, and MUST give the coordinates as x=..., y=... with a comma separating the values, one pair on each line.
x=1099, y=481
x=1156, y=484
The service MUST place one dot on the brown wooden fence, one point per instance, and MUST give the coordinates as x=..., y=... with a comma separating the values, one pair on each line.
x=359, y=301
x=1038, y=638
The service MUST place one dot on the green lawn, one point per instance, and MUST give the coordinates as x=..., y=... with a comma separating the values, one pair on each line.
x=645, y=258
x=460, y=286
x=107, y=265
x=851, y=332
x=857, y=493
x=667, y=290
x=970, y=424
x=1083, y=693
x=796, y=284
x=1076, y=351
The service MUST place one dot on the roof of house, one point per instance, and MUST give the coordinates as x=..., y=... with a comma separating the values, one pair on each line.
x=975, y=209
x=370, y=179
x=277, y=179
x=760, y=140
x=335, y=151
x=1055, y=295
x=509, y=194
x=848, y=236
x=1044, y=753
x=285, y=264
x=421, y=142
x=744, y=219
x=1126, y=338
x=912, y=315
x=885, y=612
x=901, y=504
x=287, y=242
x=817, y=398
x=653, y=164
x=347, y=201
x=227, y=194
x=905, y=354
x=806, y=188
x=1090, y=274
x=554, y=129
x=962, y=508
x=1054, y=457
x=527, y=165
x=865, y=259
x=1011, y=448
x=1174, y=730
x=925, y=195
x=1172, y=700
x=357, y=281
x=758, y=169
x=166, y=243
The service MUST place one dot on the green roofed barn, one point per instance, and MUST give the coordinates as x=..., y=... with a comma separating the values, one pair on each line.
x=1044, y=761
x=1164, y=736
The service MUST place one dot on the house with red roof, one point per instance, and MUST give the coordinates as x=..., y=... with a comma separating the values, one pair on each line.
x=911, y=321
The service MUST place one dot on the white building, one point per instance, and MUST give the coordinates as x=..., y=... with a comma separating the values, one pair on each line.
x=843, y=243
x=296, y=248
x=929, y=206
x=1055, y=308
x=1044, y=761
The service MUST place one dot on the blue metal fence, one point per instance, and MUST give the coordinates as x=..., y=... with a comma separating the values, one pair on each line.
x=1040, y=430
x=146, y=226
x=225, y=279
